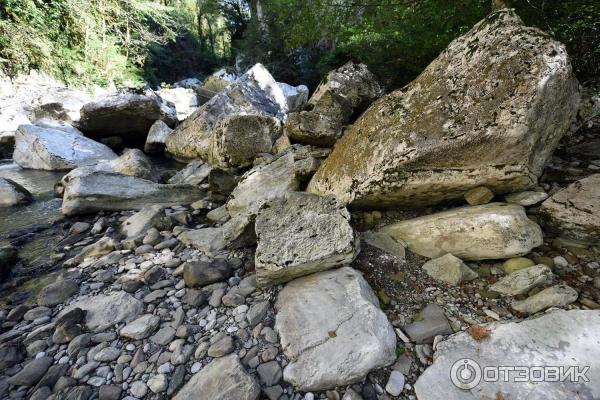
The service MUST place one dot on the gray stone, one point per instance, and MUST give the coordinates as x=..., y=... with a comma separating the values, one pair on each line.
x=140, y=328
x=138, y=389
x=395, y=383
x=574, y=212
x=522, y=281
x=270, y=373
x=332, y=330
x=285, y=173
x=164, y=336
x=158, y=383
x=433, y=323
x=57, y=292
x=221, y=347
x=12, y=194
x=104, y=311
x=257, y=313
x=255, y=92
x=385, y=242
x=125, y=114
x=107, y=354
x=148, y=217
x=214, y=84
x=55, y=150
x=526, y=198
x=202, y=273
x=489, y=231
x=223, y=378
x=296, y=96
x=561, y=338
x=449, y=269
x=110, y=191
x=554, y=296
x=32, y=372
x=194, y=173
x=184, y=99
x=300, y=234
x=158, y=133
x=422, y=144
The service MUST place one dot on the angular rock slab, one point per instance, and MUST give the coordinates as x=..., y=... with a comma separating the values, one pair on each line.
x=449, y=269
x=489, y=231
x=574, y=212
x=520, y=282
x=554, y=296
x=104, y=311
x=56, y=150
x=273, y=179
x=560, y=338
x=12, y=194
x=459, y=125
x=223, y=379
x=128, y=115
x=255, y=92
x=332, y=330
x=158, y=133
x=300, y=234
x=109, y=191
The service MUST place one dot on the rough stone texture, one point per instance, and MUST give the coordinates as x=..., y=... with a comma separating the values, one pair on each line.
x=526, y=198
x=202, y=273
x=522, y=281
x=58, y=125
x=346, y=90
x=449, y=269
x=238, y=139
x=185, y=100
x=12, y=194
x=109, y=191
x=295, y=96
x=125, y=114
x=103, y=311
x=574, y=212
x=490, y=231
x=131, y=163
x=255, y=92
x=332, y=330
x=57, y=292
x=550, y=340
x=302, y=233
x=273, y=179
x=194, y=173
x=56, y=150
x=460, y=125
x=32, y=372
x=223, y=379
x=554, y=296
x=148, y=217
x=479, y=195
x=235, y=233
x=62, y=104
x=385, y=242
x=157, y=135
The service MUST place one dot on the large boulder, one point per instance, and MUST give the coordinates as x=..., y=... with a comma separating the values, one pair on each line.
x=237, y=140
x=559, y=339
x=283, y=174
x=574, y=212
x=60, y=103
x=295, y=96
x=56, y=150
x=148, y=217
x=345, y=91
x=489, y=111
x=255, y=92
x=125, y=114
x=332, y=330
x=222, y=379
x=12, y=194
x=302, y=233
x=98, y=191
x=489, y=231
x=194, y=173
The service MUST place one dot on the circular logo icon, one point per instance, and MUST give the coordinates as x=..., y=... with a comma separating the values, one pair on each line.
x=465, y=374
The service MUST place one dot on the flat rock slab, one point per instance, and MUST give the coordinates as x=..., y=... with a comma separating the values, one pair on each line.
x=574, y=212
x=449, y=269
x=140, y=328
x=110, y=191
x=433, y=322
x=104, y=311
x=489, y=231
x=56, y=150
x=560, y=338
x=302, y=233
x=57, y=292
x=332, y=330
x=11, y=193
x=554, y=296
x=223, y=379
x=520, y=282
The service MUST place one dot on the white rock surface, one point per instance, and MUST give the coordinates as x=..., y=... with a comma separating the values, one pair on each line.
x=332, y=330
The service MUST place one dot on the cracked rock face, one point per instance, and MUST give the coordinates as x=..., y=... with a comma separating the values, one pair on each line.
x=332, y=330
x=490, y=231
x=574, y=212
x=560, y=338
x=56, y=150
x=489, y=111
x=300, y=234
